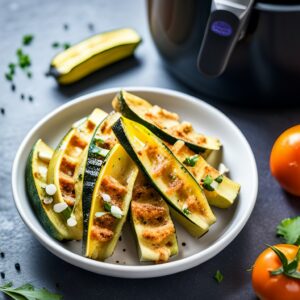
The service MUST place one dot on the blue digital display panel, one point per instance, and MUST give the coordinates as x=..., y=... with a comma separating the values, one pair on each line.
x=221, y=28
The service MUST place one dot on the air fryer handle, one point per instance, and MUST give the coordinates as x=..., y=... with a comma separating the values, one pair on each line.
x=222, y=33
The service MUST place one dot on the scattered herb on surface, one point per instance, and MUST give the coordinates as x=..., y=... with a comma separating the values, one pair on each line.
x=13, y=87
x=219, y=179
x=29, y=74
x=66, y=45
x=3, y=113
x=27, y=39
x=2, y=254
x=206, y=182
x=191, y=161
x=218, y=276
x=24, y=60
x=107, y=206
x=9, y=76
x=289, y=229
x=66, y=26
x=186, y=211
x=2, y=274
x=22, y=96
x=28, y=292
x=30, y=98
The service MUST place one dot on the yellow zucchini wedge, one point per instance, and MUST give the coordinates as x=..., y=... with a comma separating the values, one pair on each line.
x=36, y=182
x=163, y=123
x=110, y=203
x=219, y=190
x=170, y=178
x=153, y=226
x=93, y=54
x=62, y=167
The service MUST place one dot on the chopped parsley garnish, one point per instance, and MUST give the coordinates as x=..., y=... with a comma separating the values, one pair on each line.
x=186, y=211
x=206, y=183
x=191, y=161
x=289, y=229
x=99, y=140
x=218, y=276
x=29, y=74
x=80, y=177
x=27, y=39
x=23, y=59
x=9, y=76
x=107, y=206
x=219, y=179
x=66, y=45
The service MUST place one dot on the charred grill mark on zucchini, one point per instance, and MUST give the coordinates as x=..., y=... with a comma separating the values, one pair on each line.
x=169, y=130
x=135, y=139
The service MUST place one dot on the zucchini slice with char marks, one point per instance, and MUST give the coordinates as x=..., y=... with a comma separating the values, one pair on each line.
x=219, y=190
x=102, y=141
x=62, y=167
x=176, y=185
x=110, y=203
x=153, y=226
x=36, y=181
x=163, y=123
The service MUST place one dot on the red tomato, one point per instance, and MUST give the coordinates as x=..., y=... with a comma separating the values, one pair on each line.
x=285, y=160
x=275, y=287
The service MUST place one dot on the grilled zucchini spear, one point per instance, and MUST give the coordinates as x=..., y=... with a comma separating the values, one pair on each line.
x=176, y=185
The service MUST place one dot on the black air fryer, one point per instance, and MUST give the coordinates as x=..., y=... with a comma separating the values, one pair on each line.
x=238, y=50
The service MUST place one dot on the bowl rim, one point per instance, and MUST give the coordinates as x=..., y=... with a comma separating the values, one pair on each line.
x=129, y=271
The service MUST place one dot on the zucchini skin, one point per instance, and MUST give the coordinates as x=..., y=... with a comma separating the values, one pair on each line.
x=130, y=114
x=35, y=200
x=122, y=137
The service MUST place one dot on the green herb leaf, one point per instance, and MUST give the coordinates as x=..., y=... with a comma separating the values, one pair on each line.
x=218, y=276
x=186, y=211
x=206, y=183
x=191, y=161
x=219, y=179
x=66, y=46
x=12, y=67
x=9, y=76
x=80, y=177
x=27, y=39
x=289, y=229
x=107, y=206
x=28, y=292
x=99, y=140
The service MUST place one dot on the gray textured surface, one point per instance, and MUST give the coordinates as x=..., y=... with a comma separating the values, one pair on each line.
x=45, y=20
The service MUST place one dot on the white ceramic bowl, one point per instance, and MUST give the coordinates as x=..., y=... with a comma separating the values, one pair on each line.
x=237, y=155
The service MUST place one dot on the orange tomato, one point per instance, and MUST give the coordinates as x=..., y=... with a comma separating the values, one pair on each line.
x=285, y=160
x=275, y=287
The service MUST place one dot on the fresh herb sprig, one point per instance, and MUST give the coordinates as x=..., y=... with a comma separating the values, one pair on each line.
x=289, y=230
x=191, y=161
x=28, y=292
x=218, y=276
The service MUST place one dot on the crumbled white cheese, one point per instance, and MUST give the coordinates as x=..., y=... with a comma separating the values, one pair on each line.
x=116, y=212
x=48, y=200
x=214, y=184
x=59, y=207
x=72, y=221
x=50, y=189
x=103, y=152
x=45, y=156
x=43, y=171
x=223, y=169
x=106, y=197
x=99, y=214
